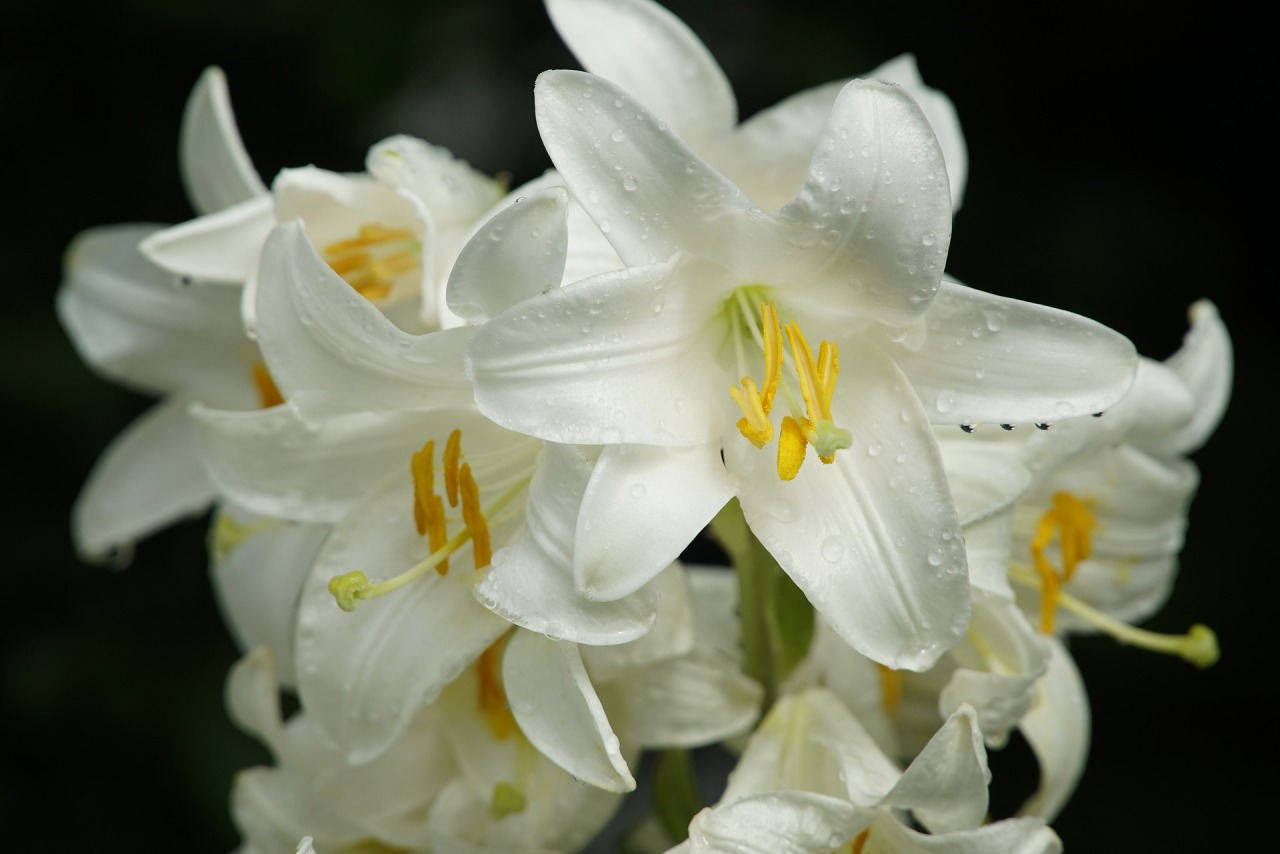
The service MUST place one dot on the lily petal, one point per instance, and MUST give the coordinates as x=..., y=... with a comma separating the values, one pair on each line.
x=945, y=787
x=454, y=192
x=1205, y=364
x=519, y=253
x=646, y=189
x=1057, y=728
x=613, y=359
x=675, y=491
x=142, y=326
x=364, y=675
x=216, y=169
x=872, y=539
x=558, y=711
x=1020, y=835
x=331, y=351
x=1053, y=364
x=651, y=53
x=777, y=823
x=873, y=219
x=149, y=477
x=219, y=247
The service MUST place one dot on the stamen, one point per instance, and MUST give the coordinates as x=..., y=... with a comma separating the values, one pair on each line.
x=817, y=387
x=429, y=518
x=428, y=509
x=1198, y=646
x=481, y=550
x=1073, y=522
x=755, y=404
x=859, y=842
x=890, y=688
x=507, y=800
x=268, y=394
x=491, y=698
x=791, y=449
x=452, y=452
x=371, y=262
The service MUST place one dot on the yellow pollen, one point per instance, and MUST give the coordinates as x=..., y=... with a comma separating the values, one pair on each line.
x=371, y=261
x=890, y=688
x=754, y=403
x=1073, y=522
x=491, y=698
x=268, y=394
x=817, y=387
x=791, y=448
x=859, y=842
x=481, y=549
x=452, y=453
x=428, y=509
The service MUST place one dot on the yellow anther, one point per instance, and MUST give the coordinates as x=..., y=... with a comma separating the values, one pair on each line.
x=1073, y=522
x=350, y=589
x=859, y=842
x=371, y=261
x=772, y=353
x=428, y=509
x=268, y=394
x=817, y=387
x=481, y=549
x=755, y=424
x=890, y=688
x=491, y=697
x=791, y=448
x=452, y=453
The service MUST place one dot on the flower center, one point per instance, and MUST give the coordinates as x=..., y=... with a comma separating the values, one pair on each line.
x=376, y=260
x=811, y=424
x=431, y=521
x=1073, y=522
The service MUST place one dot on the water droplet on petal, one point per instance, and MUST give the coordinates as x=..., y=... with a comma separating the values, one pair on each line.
x=832, y=549
x=637, y=490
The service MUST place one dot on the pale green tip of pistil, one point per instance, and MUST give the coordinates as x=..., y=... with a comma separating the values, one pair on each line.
x=507, y=800
x=828, y=438
x=1201, y=647
x=348, y=590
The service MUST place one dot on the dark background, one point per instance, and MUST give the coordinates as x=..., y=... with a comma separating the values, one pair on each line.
x=1118, y=168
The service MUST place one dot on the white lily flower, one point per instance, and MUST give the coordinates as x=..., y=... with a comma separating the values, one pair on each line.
x=1096, y=540
x=392, y=234
x=644, y=356
x=812, y=781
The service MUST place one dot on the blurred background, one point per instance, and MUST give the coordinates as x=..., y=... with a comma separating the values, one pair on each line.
x=1118, y=168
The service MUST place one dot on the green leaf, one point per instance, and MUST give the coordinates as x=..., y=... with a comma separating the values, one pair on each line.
x=675, y=792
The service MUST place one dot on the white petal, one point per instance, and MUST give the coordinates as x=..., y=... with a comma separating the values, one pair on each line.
x=985, y=477
x=777, y=823
x=142, y=326
x=672, y=634
x=1011, y=836
x=946, y=786
x=216, y=170
x=253, y=697
x=1057, y=728
x=988, y=546
x=1205, y=364
x=149, y=477
x=363, y=675
x=622, y=357
x=274, y=463
x=642, y=507
x=997, y=360
x=331, y=351
x=558, y=711
x=942, y=117
x=518, y=254
x=273, y=809
x=874, y=216
x=453, y=191
x=768, y=155
x=997, y=673
x=645, y=188
x=258, y=566
x=871, y=539
x=652, y=54
x=219, y=247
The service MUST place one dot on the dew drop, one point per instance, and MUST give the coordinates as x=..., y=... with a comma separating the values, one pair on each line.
x=832, y=549
x=617, y=135
x=873, y=449
x=637, y=490
x=935, y=557
x=929, y=238
x=946, y=400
